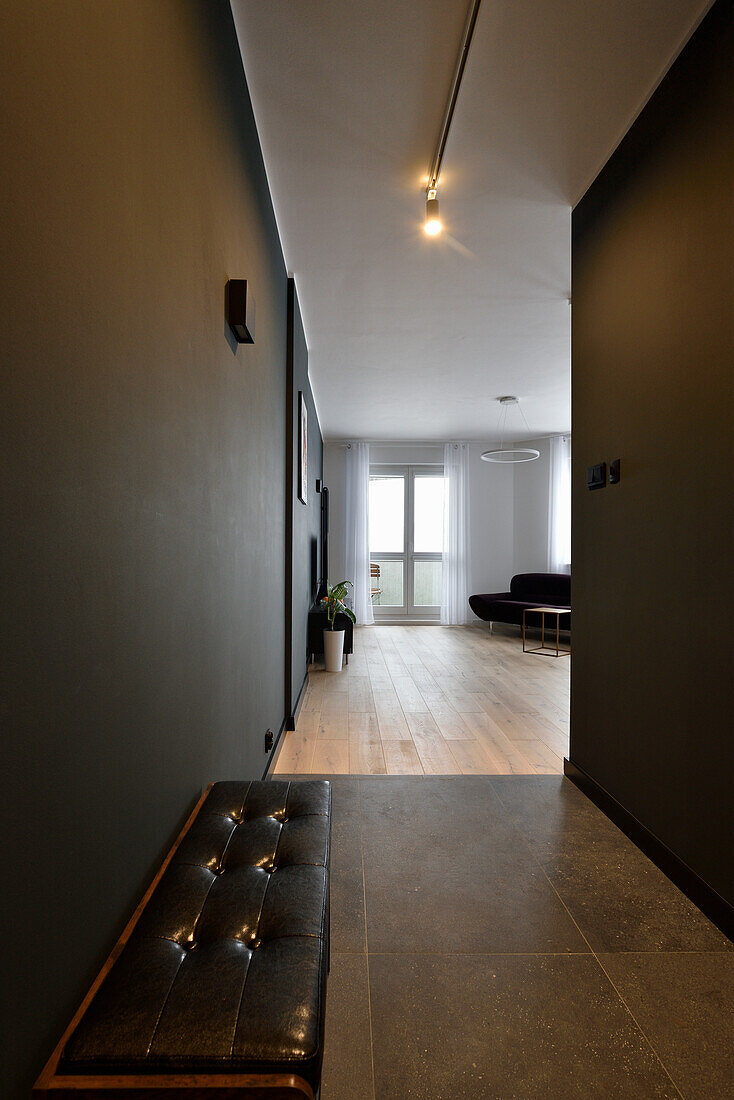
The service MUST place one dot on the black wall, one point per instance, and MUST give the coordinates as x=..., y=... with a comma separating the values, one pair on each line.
x=302, y=566
x=144, y=470
x=653, y=327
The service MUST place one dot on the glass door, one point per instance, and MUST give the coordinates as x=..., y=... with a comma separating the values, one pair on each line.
x=406, y=540
x=388, y=541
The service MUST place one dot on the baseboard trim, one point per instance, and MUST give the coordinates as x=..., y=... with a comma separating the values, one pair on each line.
x=275, y=751
x=406, y=622
x=711, y=903
x=291, y=722
x=286, y=726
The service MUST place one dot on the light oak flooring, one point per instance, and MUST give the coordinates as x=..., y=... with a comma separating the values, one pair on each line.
x=432, y=700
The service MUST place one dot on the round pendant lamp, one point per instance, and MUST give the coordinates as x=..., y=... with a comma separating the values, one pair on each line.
x=510, y=453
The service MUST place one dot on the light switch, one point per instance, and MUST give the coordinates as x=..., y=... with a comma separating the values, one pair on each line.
x=596, y=476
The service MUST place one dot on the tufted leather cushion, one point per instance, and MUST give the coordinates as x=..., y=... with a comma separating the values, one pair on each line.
x=226, y=968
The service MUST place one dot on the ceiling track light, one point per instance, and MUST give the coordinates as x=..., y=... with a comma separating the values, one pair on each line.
x=432, y=223
x=510, y=454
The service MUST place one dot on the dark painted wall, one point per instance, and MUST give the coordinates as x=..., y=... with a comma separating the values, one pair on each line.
x=653, y=384
x=143, y=473
x=305, y=519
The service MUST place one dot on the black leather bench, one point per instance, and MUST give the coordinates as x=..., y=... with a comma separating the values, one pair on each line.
x=218, y=985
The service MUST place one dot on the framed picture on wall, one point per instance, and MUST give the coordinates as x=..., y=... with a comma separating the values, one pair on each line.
x=302, y=449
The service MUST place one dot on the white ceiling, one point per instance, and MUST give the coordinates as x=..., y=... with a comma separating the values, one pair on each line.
x=411, y=337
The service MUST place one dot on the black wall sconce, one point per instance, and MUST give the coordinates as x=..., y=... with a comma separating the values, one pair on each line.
x=240, y=307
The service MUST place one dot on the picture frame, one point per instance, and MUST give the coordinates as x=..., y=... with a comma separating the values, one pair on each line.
x=302, y=448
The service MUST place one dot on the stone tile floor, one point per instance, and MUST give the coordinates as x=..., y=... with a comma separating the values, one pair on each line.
x=497, y=937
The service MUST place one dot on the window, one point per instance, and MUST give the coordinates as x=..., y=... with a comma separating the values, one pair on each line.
x=406, y=540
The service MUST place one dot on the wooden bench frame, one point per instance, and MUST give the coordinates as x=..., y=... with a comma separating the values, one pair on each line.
x=52, y=1085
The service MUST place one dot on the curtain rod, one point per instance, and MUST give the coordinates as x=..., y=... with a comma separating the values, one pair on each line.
x=388, y=442
x=433, y=442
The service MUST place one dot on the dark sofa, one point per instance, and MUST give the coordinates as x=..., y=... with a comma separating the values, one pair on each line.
x=526, y=590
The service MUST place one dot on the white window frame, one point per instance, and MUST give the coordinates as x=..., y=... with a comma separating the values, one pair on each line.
x=408, y=612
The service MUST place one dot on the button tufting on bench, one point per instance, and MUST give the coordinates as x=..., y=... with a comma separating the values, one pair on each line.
x=247, y=993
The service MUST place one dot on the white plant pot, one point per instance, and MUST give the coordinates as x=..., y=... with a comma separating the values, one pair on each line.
x=333, y=650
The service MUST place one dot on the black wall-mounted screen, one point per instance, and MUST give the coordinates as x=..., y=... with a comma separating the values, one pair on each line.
x=324, y=574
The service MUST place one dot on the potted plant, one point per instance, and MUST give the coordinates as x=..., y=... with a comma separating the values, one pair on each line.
x=334, y=604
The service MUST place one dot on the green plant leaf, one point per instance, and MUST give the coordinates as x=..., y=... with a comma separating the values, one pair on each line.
x=334, y=604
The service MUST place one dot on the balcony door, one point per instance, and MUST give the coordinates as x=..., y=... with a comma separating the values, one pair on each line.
x=406, y=541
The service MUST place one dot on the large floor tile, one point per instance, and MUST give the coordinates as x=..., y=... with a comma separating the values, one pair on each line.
x=348, y=932
x=445, y=871
x=685, y=1005
x=513, y=1028
x=460, y=909
x=347, y=882
x=551, y=812
x=347, y=1072
x=459, y=802
x=620, y=900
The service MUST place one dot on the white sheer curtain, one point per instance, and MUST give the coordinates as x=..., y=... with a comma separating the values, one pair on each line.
x=455, y=595
x=358, y=530
x=559, y=505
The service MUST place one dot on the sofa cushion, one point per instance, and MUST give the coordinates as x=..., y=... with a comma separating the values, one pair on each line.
x=480, y=604
x=536, y=600
x=510, y=611
x=549, y=588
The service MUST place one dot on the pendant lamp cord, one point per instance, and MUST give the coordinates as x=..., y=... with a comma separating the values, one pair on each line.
x=522, y=414
x=504, y=415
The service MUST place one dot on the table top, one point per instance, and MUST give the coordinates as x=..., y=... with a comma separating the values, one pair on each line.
x=554, y=610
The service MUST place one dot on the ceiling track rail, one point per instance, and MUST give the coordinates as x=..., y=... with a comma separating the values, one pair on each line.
x=471, y=21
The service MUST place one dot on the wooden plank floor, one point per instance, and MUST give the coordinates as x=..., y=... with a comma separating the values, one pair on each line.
x=432, y=700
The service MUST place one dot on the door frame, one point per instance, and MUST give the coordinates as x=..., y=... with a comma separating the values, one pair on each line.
x=409, y=612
